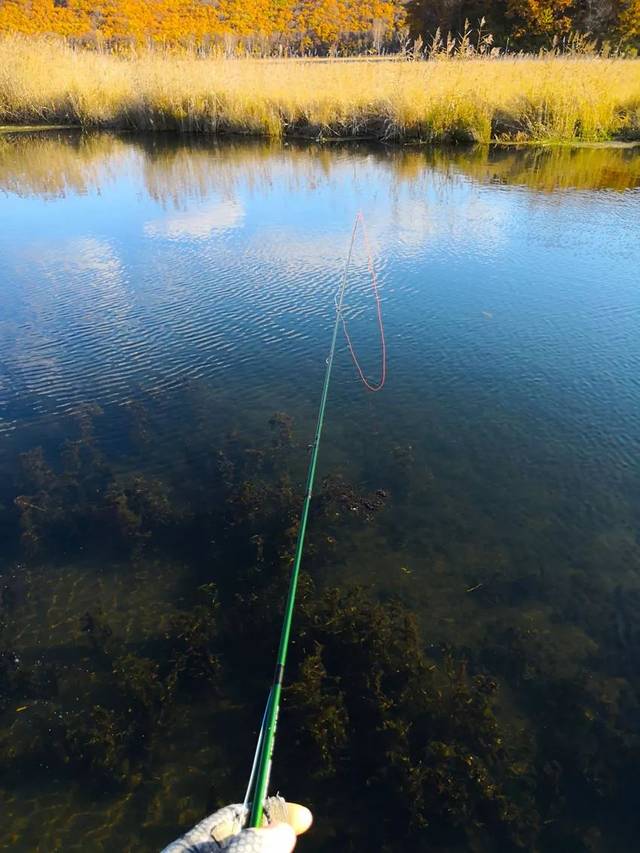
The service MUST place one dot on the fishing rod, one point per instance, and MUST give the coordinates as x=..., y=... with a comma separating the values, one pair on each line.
x=261, y=769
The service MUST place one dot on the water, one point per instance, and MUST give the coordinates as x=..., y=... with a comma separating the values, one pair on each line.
x=161, y=300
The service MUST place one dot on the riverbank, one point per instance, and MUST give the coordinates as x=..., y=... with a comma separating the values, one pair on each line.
x=477, y=99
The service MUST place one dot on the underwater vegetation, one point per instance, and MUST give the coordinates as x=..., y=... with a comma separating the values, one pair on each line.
x=406, y=742
x=391, y=731
x=78, y=499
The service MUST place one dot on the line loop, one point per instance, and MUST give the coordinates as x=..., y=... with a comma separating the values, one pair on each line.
x=340, y=310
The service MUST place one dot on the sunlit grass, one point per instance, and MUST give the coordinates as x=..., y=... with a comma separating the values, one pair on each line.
x=553, y=98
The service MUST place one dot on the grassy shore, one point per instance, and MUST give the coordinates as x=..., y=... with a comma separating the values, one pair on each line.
x=537, y=99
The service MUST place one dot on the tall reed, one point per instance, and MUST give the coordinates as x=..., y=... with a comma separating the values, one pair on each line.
x=474, y=98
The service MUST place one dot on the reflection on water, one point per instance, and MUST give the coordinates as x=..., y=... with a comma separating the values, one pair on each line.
x=55, y=164
x=165, y=315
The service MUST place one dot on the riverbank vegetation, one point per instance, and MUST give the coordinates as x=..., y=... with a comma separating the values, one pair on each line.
x=462, y=95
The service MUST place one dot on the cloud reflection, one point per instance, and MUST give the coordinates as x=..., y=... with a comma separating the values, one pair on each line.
x=199, y=223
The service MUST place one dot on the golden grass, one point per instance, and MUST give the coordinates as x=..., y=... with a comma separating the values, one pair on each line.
x=554, y=98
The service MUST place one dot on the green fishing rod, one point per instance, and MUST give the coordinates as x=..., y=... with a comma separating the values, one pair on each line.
x=261, y=771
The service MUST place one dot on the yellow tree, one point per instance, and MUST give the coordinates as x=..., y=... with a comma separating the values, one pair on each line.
x=540, y=17
x=629, y=21
x=13, y=18
x=323, y=23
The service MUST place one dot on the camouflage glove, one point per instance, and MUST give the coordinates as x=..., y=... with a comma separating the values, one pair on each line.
x=223, y=830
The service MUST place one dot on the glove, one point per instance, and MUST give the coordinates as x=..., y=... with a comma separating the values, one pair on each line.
x=223, y=830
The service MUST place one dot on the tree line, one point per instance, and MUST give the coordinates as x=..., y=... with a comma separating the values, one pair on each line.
x=325, y=27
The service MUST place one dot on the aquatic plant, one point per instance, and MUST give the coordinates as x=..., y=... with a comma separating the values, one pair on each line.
x=282, y=425
x=78, y=500
x=137, y=508
x=126, y=698
x=338, y=498
x=587, y=741
x=195, y=644
x=385, y=730
x=502, y=746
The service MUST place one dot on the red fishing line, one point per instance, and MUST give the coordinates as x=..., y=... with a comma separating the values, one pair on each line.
x=374, y=284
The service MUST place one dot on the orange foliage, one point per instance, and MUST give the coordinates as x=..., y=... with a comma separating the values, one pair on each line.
x=299, y=23
x=540, y=17
x=629, y=24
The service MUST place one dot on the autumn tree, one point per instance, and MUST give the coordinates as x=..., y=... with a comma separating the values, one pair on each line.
x=540, y=17
x=316, y=26
x=629, y=22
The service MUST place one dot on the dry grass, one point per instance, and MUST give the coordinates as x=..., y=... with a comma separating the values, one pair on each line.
x=555, y=98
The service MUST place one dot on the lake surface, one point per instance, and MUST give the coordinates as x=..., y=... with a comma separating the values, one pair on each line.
x=161, y=300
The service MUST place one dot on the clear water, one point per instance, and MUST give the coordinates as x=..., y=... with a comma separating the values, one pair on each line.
x=189, y=286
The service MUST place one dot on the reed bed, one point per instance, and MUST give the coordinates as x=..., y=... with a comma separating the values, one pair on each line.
x=481, y=99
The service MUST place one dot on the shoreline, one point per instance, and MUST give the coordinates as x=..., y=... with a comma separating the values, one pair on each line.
x=629, y=144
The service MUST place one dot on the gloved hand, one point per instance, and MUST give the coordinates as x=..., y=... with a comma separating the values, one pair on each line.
x=222, y=830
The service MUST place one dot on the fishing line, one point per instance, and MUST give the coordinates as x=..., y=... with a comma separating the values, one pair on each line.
x=261, y=769
x=374, y=284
